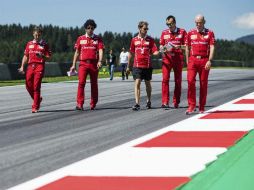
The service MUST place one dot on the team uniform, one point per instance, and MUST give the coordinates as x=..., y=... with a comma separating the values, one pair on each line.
x=142, y=48
x=199, y=43
x=35, y=69
x=172, y=59
x=88, y=48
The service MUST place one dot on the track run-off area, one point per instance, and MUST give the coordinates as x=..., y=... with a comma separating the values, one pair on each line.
x=114, y=147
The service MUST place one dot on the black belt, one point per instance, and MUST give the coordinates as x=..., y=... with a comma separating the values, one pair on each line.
x=90, y=61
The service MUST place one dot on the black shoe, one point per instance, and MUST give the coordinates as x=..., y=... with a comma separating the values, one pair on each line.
x=148, y=105
x=136, y=107
x=80, y=108
x=176, y=106
x=165, y=106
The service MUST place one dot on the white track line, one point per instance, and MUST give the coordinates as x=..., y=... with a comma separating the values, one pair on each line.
x=127, y=160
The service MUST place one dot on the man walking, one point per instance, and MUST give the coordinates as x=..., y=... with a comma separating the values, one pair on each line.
x=199, y=55
x=89, y=51
x=142, y=46
x=171, y=42
x=111, y=62
x=36, y=53
x=123, y=61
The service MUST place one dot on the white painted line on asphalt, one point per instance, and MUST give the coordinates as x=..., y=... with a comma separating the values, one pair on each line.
x=127, y=160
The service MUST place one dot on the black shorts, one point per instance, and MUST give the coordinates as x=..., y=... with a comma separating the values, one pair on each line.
x=142, y=73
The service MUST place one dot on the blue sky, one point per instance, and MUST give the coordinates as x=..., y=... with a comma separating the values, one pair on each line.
x=229, y=19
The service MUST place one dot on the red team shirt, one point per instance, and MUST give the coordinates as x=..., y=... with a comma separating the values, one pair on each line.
x=142, y=48
x=178, y=37
x=200, y=42
x=33, y=48
x=88, y=47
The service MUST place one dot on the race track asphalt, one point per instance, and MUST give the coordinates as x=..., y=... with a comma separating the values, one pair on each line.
x=34, y=144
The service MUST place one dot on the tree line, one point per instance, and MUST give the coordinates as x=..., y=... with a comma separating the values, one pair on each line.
x=14, y=37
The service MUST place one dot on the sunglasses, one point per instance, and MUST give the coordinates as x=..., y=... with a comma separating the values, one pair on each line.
x=170, y=24
x=145, y=28
x=90, y=28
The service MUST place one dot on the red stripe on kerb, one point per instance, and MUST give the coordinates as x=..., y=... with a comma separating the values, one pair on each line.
x=195, y=139
x=240, y=114
x=245, y=101
x=115, y=183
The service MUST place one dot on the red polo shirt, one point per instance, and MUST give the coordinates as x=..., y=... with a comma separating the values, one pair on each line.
x=143, y=48
x=200, y=42
x=88, y=47
x=33, y=48
x=177, y=37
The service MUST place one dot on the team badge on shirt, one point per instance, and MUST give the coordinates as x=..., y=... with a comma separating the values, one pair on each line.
x=83, y=41
x=137, y=43
x=193, y=37
x=31, y=46
x=166, y=37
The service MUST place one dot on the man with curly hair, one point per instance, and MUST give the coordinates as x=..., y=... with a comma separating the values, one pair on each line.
x=89, y=51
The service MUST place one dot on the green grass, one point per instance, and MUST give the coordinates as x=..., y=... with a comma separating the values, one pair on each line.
x=11, y=82
x=52, y=79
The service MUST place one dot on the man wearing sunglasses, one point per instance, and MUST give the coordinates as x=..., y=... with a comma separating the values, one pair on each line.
x=89, y=51
x=171, y=43
x=199, y=54
x=142, y=46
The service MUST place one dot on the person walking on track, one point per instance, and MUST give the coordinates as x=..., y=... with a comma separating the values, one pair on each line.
x=200, y=43
x=89, y=51
x=172, y=42
x=142, y=46
x=36, y=53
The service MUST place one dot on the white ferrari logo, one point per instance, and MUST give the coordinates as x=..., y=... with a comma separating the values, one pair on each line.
x=193, y=37
x=83, y=41
x=166, y=37
x=137, y=43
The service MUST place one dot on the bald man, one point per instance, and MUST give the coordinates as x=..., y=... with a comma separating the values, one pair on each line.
x=199, y=55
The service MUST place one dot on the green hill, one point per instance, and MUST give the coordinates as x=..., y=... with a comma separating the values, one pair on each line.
x=247, y=39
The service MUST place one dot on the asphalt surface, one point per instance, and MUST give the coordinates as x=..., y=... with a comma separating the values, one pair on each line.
x=34, y=144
